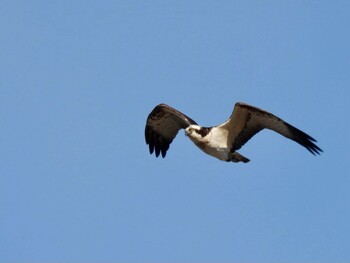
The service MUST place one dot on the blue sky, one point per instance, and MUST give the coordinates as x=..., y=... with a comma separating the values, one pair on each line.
x=77, y=81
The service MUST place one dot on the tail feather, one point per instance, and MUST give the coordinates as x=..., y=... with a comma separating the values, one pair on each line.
x=236, y=158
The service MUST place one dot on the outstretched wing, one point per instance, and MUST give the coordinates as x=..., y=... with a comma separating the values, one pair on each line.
x=163, y=124
x=246, y=121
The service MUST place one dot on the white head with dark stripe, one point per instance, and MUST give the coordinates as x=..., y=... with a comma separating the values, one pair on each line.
x=196, y=132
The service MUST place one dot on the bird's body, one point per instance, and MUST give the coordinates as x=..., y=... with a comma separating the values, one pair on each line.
x=221, y=141
x=213, y=143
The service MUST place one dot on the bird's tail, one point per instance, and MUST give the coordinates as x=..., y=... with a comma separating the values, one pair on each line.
x=236, y=158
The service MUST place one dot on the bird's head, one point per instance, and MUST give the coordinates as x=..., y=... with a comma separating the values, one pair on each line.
x=190, y=130
x=196, y=132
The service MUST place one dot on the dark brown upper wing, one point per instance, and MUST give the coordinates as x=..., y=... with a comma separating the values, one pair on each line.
x=247, y=120
x=162, y=125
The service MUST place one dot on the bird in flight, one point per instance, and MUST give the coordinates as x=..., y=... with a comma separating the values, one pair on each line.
x=221, y=141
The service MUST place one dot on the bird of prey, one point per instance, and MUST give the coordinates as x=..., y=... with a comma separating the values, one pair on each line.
x=221, y=141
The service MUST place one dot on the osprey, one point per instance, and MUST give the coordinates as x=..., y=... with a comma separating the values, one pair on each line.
x=221, y=141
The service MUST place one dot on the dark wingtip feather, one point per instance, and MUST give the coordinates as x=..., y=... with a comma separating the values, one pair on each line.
x=308, y=142
x=314, y=149
x=164, y=146
x=305, y=140
x=156, y=143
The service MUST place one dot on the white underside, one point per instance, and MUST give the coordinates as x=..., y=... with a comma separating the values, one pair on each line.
x=214, y=144
x=217, y=152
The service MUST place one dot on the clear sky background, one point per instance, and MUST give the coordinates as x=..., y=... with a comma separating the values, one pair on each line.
x=77, y=82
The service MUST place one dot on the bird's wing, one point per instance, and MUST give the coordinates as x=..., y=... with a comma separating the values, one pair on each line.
x=246, y=121
x=162, y=125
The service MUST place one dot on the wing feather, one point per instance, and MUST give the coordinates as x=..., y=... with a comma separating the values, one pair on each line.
x=162, y=126
x=247, y=120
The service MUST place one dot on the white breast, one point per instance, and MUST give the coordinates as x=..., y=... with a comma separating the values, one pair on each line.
x=215, y=143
